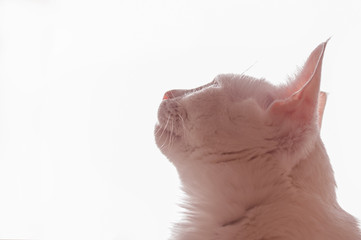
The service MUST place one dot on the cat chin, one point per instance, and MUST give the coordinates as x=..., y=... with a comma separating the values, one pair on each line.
x=166, y=139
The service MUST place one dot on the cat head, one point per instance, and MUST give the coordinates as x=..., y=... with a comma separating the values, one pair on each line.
x=241, y=114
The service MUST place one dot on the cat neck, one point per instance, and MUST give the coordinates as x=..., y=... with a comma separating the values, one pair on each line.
x=222, y=195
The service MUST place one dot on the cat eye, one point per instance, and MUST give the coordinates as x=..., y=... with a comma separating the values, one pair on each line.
x=178, y=92
x=216, y=83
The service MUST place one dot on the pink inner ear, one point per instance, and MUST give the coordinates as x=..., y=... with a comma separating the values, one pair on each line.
x=311, y=71
x=303, y=102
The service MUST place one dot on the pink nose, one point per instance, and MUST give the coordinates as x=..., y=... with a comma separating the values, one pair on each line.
x=175, y=93
x=167, y=95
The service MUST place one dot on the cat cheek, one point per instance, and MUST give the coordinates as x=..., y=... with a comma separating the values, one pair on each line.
x=247, y=111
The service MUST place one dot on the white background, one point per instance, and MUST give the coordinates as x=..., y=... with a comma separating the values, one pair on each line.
x=81, y=81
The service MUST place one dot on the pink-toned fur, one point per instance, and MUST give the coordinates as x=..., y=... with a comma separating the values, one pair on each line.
x=251, y=160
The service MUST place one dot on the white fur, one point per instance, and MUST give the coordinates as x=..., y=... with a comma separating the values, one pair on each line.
x=251, y=160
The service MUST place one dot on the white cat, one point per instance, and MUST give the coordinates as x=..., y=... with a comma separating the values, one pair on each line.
x=251, y=160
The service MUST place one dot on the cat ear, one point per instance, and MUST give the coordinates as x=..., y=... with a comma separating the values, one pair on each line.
x=322, y=98
x=304, y=99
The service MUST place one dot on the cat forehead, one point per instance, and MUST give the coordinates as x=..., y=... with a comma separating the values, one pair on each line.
x=244, y=83
x=243, y=87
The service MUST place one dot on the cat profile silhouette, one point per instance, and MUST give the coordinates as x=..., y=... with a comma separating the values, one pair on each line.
x=251, y=160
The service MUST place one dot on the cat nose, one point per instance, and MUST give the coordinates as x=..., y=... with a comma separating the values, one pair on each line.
x=166, y=95
x=173, y=94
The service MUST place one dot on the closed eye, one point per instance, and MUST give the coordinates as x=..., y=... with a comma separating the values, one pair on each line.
x=216, y=82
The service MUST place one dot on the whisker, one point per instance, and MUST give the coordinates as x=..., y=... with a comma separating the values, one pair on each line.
x=182, y=120
x=170, y=142
x=169, y=136
x=166, y=124
x=157, y=131
x=163, y=145
x=249, y=68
